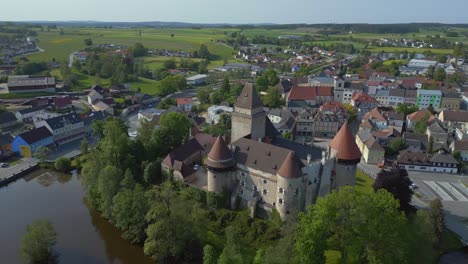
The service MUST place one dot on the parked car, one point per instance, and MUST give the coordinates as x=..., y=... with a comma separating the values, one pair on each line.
x=4, y=165
x=196, y=167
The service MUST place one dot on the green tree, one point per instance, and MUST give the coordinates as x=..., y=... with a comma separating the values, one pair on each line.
x=398, y=144
x=406, y=109
x=38, y=242
x=203, y=95
x=139, y=50
x=396, y=182
x=41, y=153
x=457, y=155
x=88, y=42
x=363, y=228
x=108, y=187
x=439, y=74
x=152, y=173
x=226, y=87
x=352, y=113
x=176, y=126
x=233, y=252
x=170, y=64
x=84, y=147
x=129, y=209
x=209, y=255
x=62, y=164
x=203, y=52
x=273, y=98
x=420, y=126
x=436, y=217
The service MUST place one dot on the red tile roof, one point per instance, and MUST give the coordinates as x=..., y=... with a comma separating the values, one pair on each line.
x=61, y=102
x=309, y=92
x=363, y=97
x=291, y=167
x=416, y=116
x=345, y=145
x=220, y=156
x=183, y=101
x=333, y=106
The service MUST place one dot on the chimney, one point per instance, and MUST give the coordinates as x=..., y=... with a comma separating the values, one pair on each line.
x=309, y=158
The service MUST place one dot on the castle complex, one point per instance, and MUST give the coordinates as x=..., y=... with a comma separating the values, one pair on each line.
x=260, y=168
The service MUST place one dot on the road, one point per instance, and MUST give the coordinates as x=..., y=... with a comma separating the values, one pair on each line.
x=22, y=165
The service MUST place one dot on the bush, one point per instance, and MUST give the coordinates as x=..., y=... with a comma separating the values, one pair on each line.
x=62, y=164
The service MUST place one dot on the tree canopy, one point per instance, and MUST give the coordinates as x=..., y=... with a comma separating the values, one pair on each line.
x=397, y=182
x=38, y=241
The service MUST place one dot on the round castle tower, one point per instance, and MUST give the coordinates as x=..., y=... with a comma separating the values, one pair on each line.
x=220, y=163
x=347, y=154
x=289, y=182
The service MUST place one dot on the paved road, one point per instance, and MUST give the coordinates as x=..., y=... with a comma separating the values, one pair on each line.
x=23, y=164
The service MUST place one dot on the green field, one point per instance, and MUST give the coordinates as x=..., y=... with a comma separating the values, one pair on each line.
x=403, y=49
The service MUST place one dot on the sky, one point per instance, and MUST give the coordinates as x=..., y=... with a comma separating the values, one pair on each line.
x=238, y=11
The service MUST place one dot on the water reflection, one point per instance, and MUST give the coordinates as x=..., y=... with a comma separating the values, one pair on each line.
x=84, y=236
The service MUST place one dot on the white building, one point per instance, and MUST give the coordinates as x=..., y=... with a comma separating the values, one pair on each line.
x=215, y=111
x=196, y=79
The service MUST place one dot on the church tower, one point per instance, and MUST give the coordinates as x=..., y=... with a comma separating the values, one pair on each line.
x=347, y=154
x=248, y=117
x=220, y=164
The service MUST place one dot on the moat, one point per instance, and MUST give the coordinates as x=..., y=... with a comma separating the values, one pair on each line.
x=84, y=236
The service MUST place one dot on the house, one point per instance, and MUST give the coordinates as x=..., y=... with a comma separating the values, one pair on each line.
x=451, y=99
x=413, y=118
x=421, y=161
x=196, y=79
x=26, y=143
x=215, y=111
x=93, y=96
x=284, y=86
x=29, y=84
x=309, y=96
x=119, y=88
x=460, y=146
x=343, y=90
x=378, y=119
x=184, y=104
x=65, y=128
x=453, y=119
x=305, y=123
x=372, y=152
x=7, y=120
x=426, y=98
x=5, y=143
x=385, y=136
x=62, y=102
x=416, y=142
x=363, y=103
x=437, y=133
x=329, y=119
x=101, y=105
x=282, y=119
x=27, y=114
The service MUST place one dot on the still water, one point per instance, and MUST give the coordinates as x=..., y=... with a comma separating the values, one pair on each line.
x=84, y=236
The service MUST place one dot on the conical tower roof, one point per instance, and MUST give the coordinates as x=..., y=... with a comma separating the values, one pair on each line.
x=220, y=156
x=249, y=98
x=291, y=167
x=345, y=145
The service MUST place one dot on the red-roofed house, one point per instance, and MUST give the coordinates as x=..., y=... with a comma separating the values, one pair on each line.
x=363, y=103
x=62, y=102
x=309, y=95
x=184, y=104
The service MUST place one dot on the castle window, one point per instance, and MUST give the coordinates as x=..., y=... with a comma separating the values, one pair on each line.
x=280, y=190
x=280, y=201
x=254, y=188
x=242, y=183
x=296, y=192
x=265, y=181
x=265, y=192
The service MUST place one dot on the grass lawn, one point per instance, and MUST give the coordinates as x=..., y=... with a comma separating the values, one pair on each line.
x=402, y=49
x=147, y=86
x=24, y=95
x=389, y=62
x=363, y=182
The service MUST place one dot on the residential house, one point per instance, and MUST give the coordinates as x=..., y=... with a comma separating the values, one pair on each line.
x=282, y=119
x=385, y=136
x=428, y=98
x=460, y=146
x=421, y=161
x=363, y=103
x=305, y=122
x=309, y=96
x=65, y=128
x=26, y=143
x=413, y=118
x=437, y=133
x=5, y=143
x=372, y=152
x=410, y=97
x=215, y=111
x=30, y=84
x=451, y=99
x=416, y=142
x=93, y=96
x=184, y=104
x=396, y=97
x=27, y=114
x=284, y=86
x=62, y=102
x=7, y=120
x=453, y=119
x=40, y=102
x=329, y=119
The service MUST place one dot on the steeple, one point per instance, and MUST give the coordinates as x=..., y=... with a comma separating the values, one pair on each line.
x=220, y=157
x=291, y=167
x=249, y=98
x=344, y=145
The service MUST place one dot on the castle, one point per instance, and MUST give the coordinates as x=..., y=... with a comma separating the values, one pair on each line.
x=261, y=169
